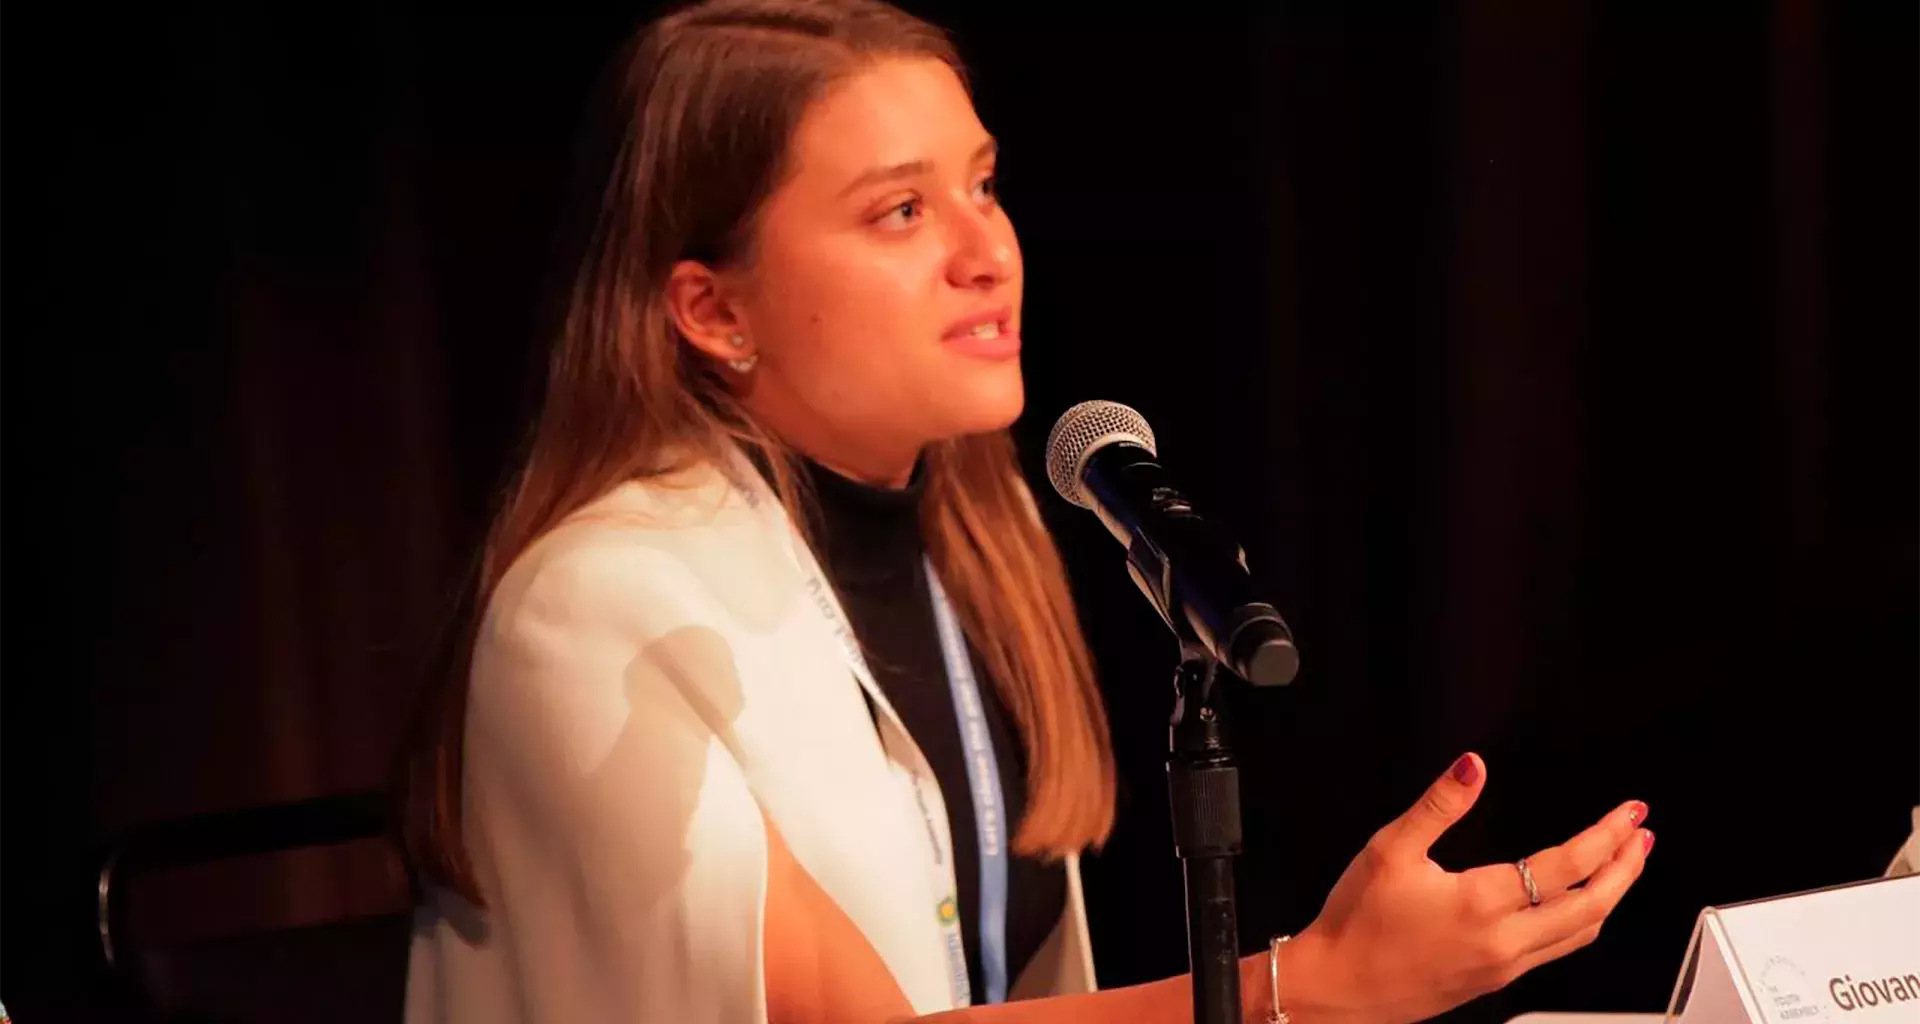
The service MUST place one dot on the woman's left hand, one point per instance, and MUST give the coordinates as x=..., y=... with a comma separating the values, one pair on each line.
x=1401, y=938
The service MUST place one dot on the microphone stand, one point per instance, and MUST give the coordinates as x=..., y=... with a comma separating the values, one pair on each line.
x=1203, y=786
x=1203, y=779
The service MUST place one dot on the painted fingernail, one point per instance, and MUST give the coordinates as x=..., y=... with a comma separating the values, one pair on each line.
x=1649, y=841
x=1465, y=770
x=1636, y=812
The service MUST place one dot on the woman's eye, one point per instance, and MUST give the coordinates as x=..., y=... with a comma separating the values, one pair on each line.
x=901, y=214
x=988, y=190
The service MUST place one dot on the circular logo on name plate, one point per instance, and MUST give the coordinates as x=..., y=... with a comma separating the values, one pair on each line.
x=1787, y=994
x=949, y=912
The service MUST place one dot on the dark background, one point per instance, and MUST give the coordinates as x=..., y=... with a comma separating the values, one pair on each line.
x=1555, y=361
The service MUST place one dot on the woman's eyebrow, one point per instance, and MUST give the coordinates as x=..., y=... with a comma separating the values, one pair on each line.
x=911, y=168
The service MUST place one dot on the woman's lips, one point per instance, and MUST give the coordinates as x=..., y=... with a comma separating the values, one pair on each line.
x=987, y=334
x=1000, y=344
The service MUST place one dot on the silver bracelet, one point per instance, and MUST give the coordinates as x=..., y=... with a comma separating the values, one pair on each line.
x=1276, y=1015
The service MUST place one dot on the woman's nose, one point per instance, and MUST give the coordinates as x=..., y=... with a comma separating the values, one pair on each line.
x=983, y=252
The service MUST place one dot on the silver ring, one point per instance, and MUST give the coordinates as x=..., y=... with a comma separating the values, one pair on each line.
x=1526, y=878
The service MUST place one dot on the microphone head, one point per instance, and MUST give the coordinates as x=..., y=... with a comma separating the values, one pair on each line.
x=1083, y=430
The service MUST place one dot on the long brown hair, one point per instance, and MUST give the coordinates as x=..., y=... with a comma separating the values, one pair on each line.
x=703, y=103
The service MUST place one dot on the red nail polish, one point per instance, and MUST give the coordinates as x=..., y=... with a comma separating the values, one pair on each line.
x=1636, y=812
x=1465, y=770
x=1649, y=842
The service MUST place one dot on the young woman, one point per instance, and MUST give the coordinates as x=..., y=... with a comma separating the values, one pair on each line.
x=775, y=652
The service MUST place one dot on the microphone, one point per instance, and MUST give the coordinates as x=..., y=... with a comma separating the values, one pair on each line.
x=1100, y=456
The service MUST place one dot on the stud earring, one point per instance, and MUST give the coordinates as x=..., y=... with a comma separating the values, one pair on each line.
x=744, y=364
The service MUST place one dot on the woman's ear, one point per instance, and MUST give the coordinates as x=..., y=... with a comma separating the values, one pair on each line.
x=703, y=314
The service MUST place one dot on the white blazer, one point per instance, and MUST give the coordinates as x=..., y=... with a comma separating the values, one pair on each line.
x=649, y=679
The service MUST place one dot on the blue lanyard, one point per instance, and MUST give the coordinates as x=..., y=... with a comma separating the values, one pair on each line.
x=983, y=777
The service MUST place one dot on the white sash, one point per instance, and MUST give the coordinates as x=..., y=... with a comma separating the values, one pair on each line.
x=918, y=784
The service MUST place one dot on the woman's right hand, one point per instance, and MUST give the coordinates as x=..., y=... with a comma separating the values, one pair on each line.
x=1402, y=939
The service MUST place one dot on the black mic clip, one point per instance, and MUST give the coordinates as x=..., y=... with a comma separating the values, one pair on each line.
x=1208, y=601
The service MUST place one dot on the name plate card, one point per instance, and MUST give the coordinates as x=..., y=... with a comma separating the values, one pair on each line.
x=1846, y=954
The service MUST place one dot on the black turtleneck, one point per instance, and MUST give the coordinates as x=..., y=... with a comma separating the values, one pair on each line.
x=870, y=545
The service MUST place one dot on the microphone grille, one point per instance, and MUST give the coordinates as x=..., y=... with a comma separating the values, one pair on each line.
x=1083, y=430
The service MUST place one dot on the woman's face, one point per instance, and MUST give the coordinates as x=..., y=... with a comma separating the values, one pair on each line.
x=883, y=299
